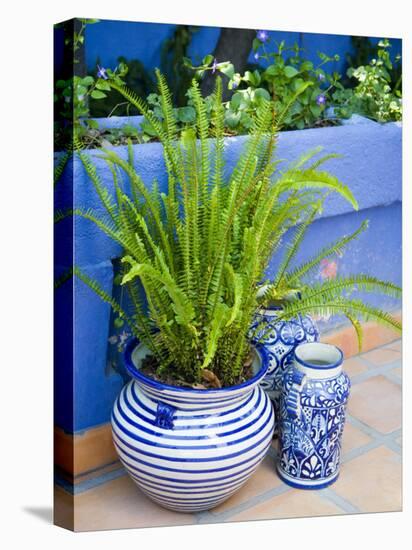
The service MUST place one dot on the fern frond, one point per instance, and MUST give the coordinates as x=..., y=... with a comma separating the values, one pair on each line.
x=66, y=276
x=142, y=107
x=358, y=329
x=193, y=256
x=293, y=247
x=295, y=276
x=167, y=106
x=305, y=158
x=60, y=166
x=301, y=179
x=315, y=165
x=183, y=308
x=154, y=210
x=106, y=226
x=335, y=287
x=102, y=192
x=291, y=101
x=103, y=295
x=340, y=306
x=219, y=320
x=60, y=215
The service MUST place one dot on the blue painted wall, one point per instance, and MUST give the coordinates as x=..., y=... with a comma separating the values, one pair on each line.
x=108, y=40
x=371, y=165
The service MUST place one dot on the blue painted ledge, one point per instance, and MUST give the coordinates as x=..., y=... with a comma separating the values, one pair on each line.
x=371, y=165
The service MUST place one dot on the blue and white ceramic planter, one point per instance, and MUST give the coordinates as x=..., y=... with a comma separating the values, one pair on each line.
x=312, y=417
x=188, y=449
x=280, y=339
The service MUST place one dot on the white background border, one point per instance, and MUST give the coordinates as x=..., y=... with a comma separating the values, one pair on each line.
x=26, y=284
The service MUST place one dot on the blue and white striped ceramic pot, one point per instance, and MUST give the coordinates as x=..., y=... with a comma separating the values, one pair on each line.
x=312, y=417
x=191, y=449
x=280, y=339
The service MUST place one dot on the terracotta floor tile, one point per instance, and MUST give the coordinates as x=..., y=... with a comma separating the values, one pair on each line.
x=120, y=504
x=372, y=481
x=376, y=335
x=292, y=504
x=397, y=346
x=382, y=356
x=264, y=479
x=100, y=472
x=353, y=438
x=378, y=403
x=354, y=366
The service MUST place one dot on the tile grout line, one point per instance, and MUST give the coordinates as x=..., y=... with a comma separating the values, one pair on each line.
x=374, y=444
x=376, y=371
x=329, y=495
x=389, y=440
x=377, y=440
x=78, y=488
x=257, y=499
x=393, y=378
x=383, y=347
x=395, y=447
x=392, y=349
x=371, y=432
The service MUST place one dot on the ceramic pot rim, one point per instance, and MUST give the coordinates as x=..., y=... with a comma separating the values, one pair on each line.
x=280, y=307
x=310, y=365
x=137, y=375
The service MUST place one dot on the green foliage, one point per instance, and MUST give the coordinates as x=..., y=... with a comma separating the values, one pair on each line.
x=296, y=103
x=61, y=165
x=300, y=91
x=136, y=77
x=374, y=95
x=72, y=98
x=332, y=296
x=200, y=249
x=298, y=88
x=363, y=51
x=81, y=97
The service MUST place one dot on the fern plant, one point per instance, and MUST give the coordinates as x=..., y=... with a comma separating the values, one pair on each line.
x=330, y=297
x=193, y=256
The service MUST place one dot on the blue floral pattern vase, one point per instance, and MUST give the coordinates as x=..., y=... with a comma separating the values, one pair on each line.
x=312, y=416
x=280, y=339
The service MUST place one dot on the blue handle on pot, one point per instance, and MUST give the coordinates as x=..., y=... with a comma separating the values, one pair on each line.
x=164, y=416
x=292, y=402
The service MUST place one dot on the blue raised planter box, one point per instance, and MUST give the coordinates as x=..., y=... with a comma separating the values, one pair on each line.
x=371, y=165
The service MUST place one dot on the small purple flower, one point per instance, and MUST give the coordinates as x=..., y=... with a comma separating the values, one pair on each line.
x=234, y=85
x=102, y=73
x=321, y=77
x=256, y=56
x=321, y=99
x=263, y=36
x=214, y=65
x=113, y=339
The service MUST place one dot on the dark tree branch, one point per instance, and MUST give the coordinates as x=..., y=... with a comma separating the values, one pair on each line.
x=234, y=45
